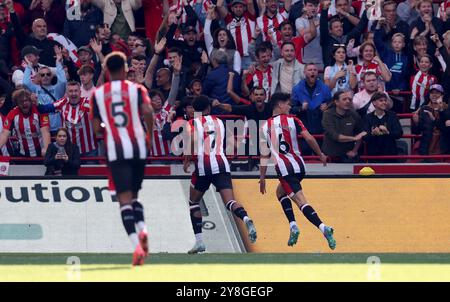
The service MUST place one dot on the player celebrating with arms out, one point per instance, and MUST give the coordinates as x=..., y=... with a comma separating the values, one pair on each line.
x=281, y=132
x=119, y=104
x=205, y=147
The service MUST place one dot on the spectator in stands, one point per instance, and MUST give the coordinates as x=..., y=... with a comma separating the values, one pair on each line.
x=382, y=127
x=46, y=92
x=309, y=22
x=397, y=62
x=271, y=16
x=5, y=42
x=361, y=100
x=407, y=12
x=427, y=122
x=256, y=109
x=189, y=46
x=141, y=47
x=287, y=31
x=74, y=111
x=332, y=32
x=62, y=157
x=287, y=71
x=426, y=25
x=340, y=76
x=390, y=25
x=86, y=74
x=421, y=82
x=343, y=129
x=370, y=62
x=52, y=11
x=344, y=13
x=221, y=41
x=80, y=28
x=215, y=83
x=138, y=63
x=261, y=74
x=443, y=48
x=118, y=14
x=30, y=127
x=310, y=97
x=37, y=38
x=241, y=23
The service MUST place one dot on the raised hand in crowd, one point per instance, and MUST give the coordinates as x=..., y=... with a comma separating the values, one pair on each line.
x=95, y=45
x=58, y=53
x=204, y=58
x=177, y=64
x=327, y=3
x=160, y=46
x=10, y=5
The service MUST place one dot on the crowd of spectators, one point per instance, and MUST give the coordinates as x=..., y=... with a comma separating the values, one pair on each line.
x=349, y=66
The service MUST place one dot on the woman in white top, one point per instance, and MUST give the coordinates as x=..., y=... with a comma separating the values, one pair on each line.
x=222, y=41
x=340, y=76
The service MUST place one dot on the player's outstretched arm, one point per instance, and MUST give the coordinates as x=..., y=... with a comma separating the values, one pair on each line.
x=314, y=146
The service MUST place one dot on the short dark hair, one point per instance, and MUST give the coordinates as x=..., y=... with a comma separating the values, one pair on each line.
x=200, y=103
x=187, y=101
x=333, y=20
x=287, y=43
x=177, y=50
x=156, y=92
x=115, y=61
x=138, y=57
x=73, y=83
x=86, y=69
x=277, y=98
x=368, y=73
x=313, y=2
x=378, y=95
x=284, y=23
x=257, y=88
x=260, y=49
x=338, y=94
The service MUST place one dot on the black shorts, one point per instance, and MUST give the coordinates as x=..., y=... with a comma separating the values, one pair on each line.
x=220, y=181
x=127, y=175
x=292, y=183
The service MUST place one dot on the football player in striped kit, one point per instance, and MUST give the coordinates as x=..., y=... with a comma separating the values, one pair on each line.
x=281, y=132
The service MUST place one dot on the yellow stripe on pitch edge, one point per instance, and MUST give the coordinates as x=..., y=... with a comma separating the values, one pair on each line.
x=233, y=272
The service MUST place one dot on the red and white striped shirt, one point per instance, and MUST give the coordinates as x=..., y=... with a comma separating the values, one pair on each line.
x=420, y=83
x=76, y=119
x=362, y=69
x=208, y=135
x=117, y=104
x=28, y=130
x=282, y=132
x=442, y=9
x=261, y=79
x=161, y=147
x=242, y=30
x=179, y=6
x=266, y=24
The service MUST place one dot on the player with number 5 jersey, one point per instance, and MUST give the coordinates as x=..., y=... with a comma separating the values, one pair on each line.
x=119, y=105
x=204, y=145
x=281, y=132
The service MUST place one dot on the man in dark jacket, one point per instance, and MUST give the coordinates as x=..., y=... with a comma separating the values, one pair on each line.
x=37, y=38
x=343, y=128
